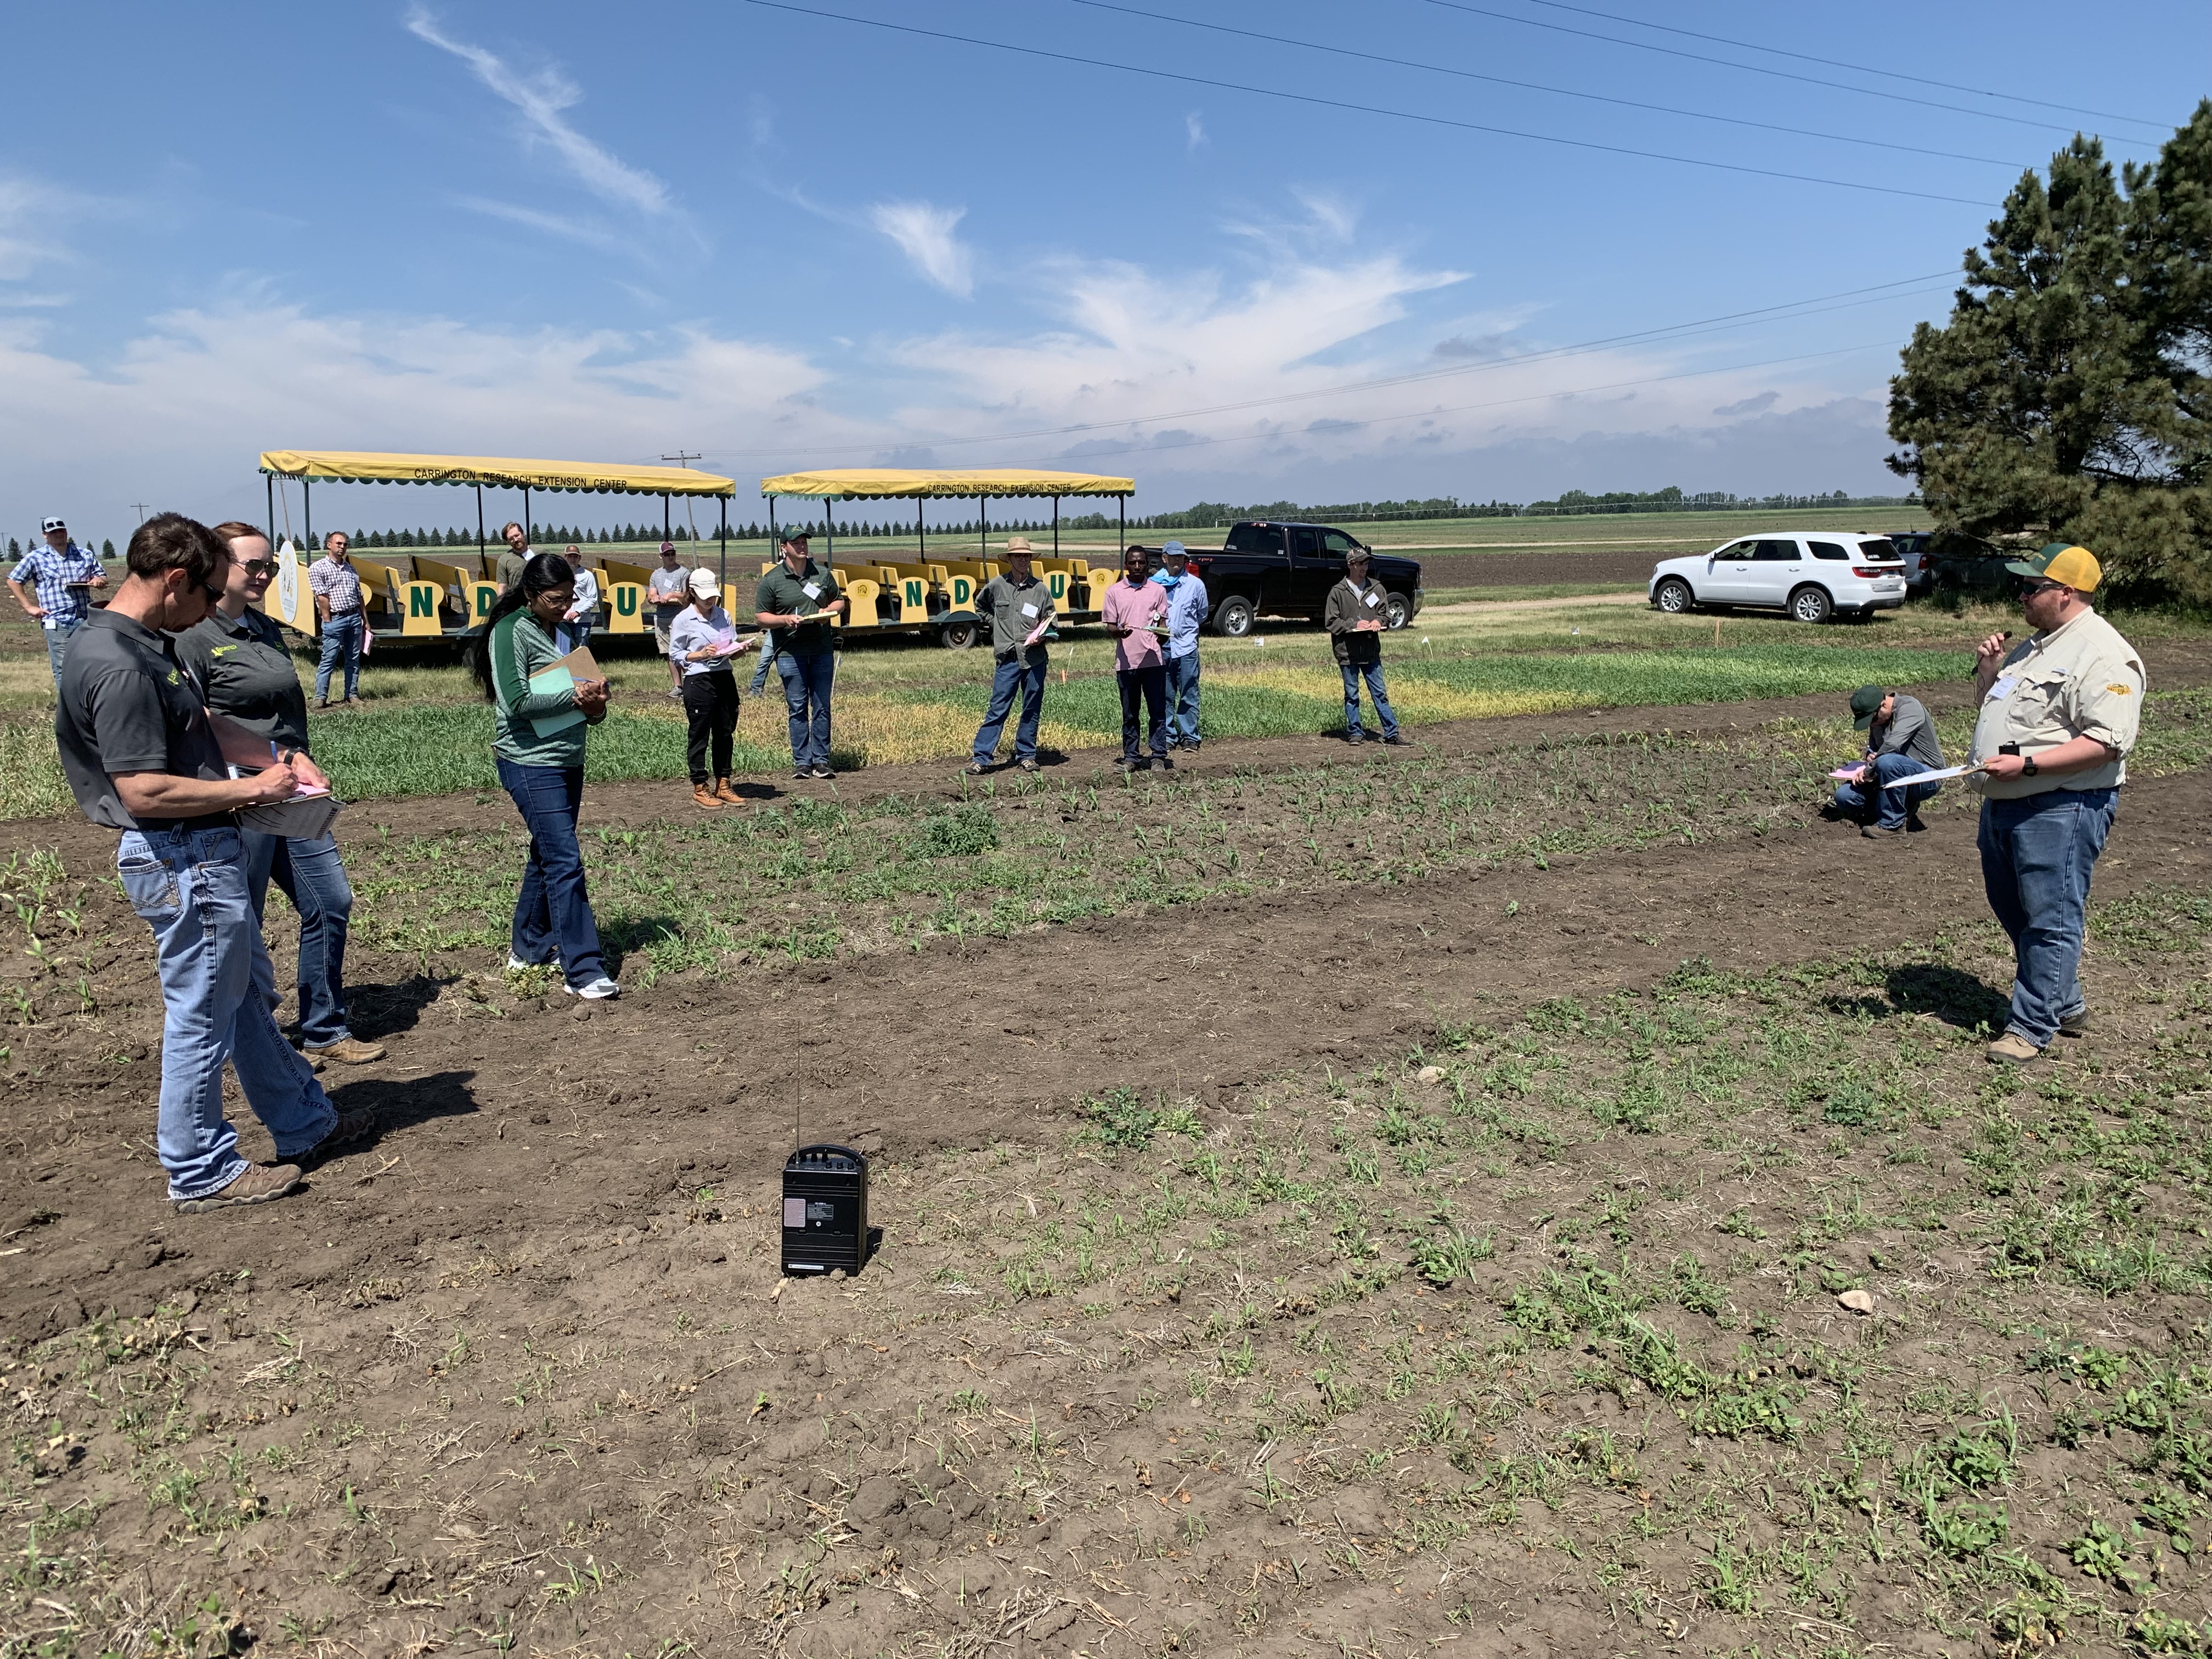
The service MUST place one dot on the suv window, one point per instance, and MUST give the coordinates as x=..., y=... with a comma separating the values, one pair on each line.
x=1336, y=543
x=1885, y=551
x=1305, y=541
x=1778, y=552
x=1255, y=538
x=1739, y=550
x=1828, y=551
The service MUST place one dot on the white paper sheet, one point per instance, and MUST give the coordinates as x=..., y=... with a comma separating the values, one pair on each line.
x=1932, y=777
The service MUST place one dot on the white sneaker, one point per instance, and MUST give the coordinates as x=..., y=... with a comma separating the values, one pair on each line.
x=515, y=964
x=597, y=991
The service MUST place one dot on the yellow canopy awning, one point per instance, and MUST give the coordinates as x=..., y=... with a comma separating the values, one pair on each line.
x=615, y=478
x=870, y=482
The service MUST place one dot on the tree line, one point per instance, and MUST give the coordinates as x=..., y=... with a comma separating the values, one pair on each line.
x=2069, y=396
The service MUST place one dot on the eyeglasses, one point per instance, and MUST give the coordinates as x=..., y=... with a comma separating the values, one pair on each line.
x=261, y=567
x=2030, y=589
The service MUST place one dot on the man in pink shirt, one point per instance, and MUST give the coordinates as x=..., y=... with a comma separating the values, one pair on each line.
x=1136, y=613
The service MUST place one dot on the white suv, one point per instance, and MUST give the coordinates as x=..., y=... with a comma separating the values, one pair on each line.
x=1814, y=576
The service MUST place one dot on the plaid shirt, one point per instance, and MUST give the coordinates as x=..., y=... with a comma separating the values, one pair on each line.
x=65, y=606
x=340, y=584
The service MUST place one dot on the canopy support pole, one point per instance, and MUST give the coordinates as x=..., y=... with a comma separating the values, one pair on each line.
x=666, y=525
x=529, y=530
x=723, y=536
x=272, y=509
x=774, y=541
x=480, y=535
x=983, y=526
x=1123, y=502
x=1055, y=526
x=921, y=529
x=829, y=530
x=307, y=511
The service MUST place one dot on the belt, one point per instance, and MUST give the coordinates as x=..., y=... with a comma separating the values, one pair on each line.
x=173, y=826
x=340, y=615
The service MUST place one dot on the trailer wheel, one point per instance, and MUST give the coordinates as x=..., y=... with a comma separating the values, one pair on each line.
x=956, y=635
x=1232, y=617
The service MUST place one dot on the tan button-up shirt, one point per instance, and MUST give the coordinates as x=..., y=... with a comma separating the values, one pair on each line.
x=2080, y=679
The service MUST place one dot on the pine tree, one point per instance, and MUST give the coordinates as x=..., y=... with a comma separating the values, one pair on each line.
x=106, y=549
x=14, y=548
x=2065, y=395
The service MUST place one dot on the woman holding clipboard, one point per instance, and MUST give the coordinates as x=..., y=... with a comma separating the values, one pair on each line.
x=703, y=643
x=246, y=672
x=541, y=711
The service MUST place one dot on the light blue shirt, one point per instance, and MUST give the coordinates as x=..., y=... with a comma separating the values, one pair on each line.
x=1186, y=613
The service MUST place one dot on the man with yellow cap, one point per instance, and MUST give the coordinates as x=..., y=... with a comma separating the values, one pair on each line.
x=2058, y=715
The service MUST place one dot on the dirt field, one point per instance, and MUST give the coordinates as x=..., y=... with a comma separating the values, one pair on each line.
x=1368, y=1267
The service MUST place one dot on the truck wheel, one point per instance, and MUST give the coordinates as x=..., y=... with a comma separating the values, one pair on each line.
x=1674, y=598
x=1397, y=610
x=956, y=635
x=1232, y=617
x=1812, y=604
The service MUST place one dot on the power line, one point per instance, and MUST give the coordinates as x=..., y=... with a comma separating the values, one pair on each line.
x=1278, y=94
x=1536, y=86
x=1837, y=63
x=1816, y=305
x=1753, y=69
x=1504, y=403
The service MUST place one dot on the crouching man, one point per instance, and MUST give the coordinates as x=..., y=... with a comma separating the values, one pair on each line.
x=1900, y=741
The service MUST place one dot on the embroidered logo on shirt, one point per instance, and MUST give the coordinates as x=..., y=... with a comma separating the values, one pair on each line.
x=2119, y=690
x=220, y=649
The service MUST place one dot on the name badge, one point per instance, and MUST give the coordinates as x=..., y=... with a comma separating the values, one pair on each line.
x=812, y=590
x=2003, y=688
x=1371, y=599
x=1028, y=610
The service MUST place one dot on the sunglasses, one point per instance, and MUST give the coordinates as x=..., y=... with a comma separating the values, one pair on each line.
x=260, y=567
x=2028, y=589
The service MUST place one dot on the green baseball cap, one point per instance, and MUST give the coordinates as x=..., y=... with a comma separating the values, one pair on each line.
x=1866, y=703
x=2062, y=562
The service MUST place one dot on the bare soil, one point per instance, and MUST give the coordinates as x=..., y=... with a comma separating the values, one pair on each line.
x=537, y=1387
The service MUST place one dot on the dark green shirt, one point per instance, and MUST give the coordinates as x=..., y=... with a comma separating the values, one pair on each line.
x=245, y=672
x=782, y=594
x=1015, y=609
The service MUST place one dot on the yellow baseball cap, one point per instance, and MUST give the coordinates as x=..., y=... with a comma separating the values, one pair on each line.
x=2062, y=562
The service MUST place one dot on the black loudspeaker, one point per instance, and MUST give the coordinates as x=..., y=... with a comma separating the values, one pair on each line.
x=825, y=1210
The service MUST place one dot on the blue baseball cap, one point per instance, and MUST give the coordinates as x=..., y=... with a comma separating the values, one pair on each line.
x=1174, y=551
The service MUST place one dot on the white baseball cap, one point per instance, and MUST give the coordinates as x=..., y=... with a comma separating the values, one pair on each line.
x=50, y=525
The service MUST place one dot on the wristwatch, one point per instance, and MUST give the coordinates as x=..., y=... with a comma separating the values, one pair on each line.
x=2027, y=768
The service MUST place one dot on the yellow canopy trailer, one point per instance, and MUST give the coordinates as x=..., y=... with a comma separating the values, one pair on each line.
x=416, y=596
x=937, y=595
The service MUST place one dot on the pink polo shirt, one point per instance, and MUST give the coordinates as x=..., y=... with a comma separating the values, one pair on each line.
x=1139, y=608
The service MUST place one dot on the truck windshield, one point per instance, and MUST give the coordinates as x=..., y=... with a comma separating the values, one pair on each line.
x=1253, y=538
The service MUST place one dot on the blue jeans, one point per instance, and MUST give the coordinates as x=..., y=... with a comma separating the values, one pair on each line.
x=1889, y=805
x=1151, y=685
x=2037, y=854
x=1011, y=675
x=806, y=683
x=58, y=642
x=767, y=662
x=341, y=639
x=553, y=913
x=313, y=877
x=217, y=993
x=1372, y=673
x=1183, y=699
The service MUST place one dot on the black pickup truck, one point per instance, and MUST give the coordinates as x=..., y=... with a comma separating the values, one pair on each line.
x=1265, y=568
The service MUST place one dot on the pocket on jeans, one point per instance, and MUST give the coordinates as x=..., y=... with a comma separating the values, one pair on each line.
x=151, y=887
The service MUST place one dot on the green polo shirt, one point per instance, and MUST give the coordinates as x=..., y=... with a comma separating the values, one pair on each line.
x=782, y=594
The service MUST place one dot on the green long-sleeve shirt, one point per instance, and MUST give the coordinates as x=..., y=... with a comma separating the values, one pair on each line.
x=521, y=646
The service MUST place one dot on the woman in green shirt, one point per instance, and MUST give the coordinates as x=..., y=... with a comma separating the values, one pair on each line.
x=539, y=743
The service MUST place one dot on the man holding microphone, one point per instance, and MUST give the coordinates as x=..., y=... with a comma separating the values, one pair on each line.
x=2058, y=715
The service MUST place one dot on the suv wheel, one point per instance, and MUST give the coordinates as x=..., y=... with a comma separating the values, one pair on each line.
x=1812, y=604
x=1674, y=598
x=1232, y=617
x=1397, y=610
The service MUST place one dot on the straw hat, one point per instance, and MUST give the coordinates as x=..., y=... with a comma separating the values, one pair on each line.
x=1020, y=545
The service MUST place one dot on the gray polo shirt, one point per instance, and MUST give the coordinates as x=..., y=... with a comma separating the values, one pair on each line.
x=1909, y=733
x=129, y=705
x=247, y=674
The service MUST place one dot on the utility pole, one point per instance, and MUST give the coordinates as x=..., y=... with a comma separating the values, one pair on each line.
x=139, y=508
x=683, y=459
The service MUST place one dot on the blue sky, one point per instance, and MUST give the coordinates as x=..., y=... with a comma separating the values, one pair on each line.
x=781, y=240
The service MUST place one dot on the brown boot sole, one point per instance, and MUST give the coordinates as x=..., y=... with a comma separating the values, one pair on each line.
x=255, y=1186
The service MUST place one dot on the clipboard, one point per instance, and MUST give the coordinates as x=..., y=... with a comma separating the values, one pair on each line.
x=303, y=817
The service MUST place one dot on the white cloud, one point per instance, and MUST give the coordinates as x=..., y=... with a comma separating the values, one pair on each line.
x=33, y=215
x=1331, y=215
x=541, y=96
x=553, y=224
x=1193, y=131
x=924, y=234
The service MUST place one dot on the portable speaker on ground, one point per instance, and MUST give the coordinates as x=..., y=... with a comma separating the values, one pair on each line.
x=825, y=1210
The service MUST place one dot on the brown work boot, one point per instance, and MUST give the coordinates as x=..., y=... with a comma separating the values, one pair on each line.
x=351, y=1129
x=727, y=792
x=2074, y=1025
x=257, y=1183
x=2012, y=1050
x=704, y=796
x=351, y=1050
